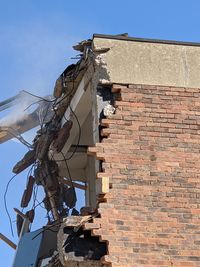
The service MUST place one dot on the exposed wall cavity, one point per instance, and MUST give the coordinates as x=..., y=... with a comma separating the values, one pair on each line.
x=77, y=246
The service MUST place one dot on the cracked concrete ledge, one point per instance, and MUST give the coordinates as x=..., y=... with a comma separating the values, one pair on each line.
x=150, y=63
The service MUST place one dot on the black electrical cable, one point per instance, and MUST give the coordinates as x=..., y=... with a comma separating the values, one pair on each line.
x=64, y=158
x=36, y=102
x=5, y=203
x=44, y=118
x=46, y=113
x=30, y=171
x=64, y=97
x=72, y=185
x=21, y=139
x=39, y=203
x=55, y=103
x=47, y=228
x=65, y=117
x=42, y=98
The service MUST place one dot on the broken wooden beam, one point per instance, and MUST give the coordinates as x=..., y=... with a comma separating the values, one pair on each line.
x=23, y=222
x=8, y=241
x=80, y=186
x=20, y=213
x=102, y=185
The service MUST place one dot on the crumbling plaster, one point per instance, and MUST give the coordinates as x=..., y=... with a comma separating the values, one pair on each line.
x=150, y=63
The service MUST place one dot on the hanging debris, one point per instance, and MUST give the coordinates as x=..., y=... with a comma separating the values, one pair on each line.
x=58, y=142
x=62, y=136
x=28, y=192
x=27, y=161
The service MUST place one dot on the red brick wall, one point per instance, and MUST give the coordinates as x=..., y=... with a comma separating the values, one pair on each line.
x=151, y=216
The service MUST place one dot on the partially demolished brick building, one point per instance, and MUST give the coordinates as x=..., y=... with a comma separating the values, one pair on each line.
x=129, y=113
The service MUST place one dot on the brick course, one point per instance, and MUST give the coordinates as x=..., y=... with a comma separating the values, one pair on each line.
x=150, y=152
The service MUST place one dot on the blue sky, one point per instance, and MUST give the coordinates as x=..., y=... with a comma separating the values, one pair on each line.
x=36, y=37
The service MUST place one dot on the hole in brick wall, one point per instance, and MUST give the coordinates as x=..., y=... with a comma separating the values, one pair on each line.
x=81, y=245
x=101, y=168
